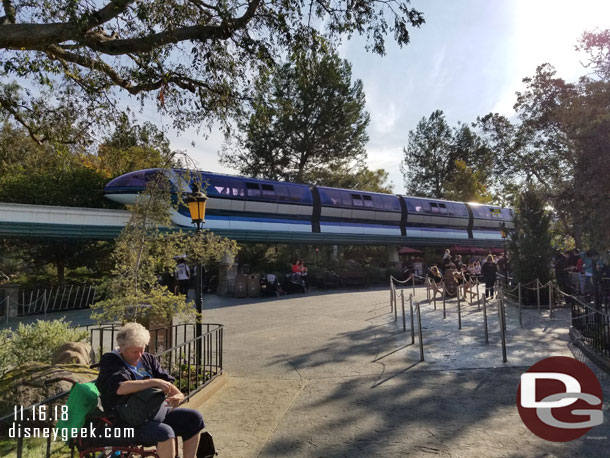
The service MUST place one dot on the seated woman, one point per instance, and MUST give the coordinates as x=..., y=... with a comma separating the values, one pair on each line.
x=435, y=278
x=466, y=280
x=130, y=369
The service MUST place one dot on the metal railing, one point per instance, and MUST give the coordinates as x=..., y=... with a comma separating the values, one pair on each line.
x=42, y=300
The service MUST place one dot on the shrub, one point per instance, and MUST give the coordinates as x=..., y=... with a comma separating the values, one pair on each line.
x=35, y=342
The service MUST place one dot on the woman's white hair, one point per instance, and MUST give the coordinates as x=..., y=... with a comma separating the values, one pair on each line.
x=132, y=335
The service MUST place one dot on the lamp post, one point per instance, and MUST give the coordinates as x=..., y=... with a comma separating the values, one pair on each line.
x=504, y=234
x=196, y=201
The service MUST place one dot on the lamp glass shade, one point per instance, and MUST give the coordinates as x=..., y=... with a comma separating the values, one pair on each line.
x=197, y=210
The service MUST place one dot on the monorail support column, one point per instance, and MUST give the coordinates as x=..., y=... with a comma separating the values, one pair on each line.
x=393, y=258
x=335, y=253
x=226, y=275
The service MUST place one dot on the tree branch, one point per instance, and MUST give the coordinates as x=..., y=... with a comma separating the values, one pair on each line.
x=40, y=36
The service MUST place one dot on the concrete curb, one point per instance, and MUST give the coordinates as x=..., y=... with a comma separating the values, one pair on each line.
x=207, y=392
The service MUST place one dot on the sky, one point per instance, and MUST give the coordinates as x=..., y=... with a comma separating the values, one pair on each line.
x=467, y=60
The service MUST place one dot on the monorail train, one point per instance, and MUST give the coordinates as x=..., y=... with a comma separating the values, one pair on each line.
x=288, y=210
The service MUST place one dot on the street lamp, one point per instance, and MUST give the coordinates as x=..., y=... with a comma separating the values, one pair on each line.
x=504, y=234
x=196, y=202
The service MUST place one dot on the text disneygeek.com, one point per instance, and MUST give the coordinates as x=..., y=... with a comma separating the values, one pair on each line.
x=24, y=432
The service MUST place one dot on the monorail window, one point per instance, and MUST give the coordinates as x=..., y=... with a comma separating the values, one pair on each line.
x=281, y=191
x=434, y=208
x=268, y=191
x=299, y=194
x=253, y=190
x=368, y=201
x=480, y=212
x=416, y=205
x=443, y=209
x=389, y=203
x=224, y=187
x=357, y=200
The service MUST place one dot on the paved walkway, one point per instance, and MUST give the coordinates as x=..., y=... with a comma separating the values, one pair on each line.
x=333, y=375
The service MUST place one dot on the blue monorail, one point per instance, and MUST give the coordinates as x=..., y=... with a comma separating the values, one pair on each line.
x=239, y=205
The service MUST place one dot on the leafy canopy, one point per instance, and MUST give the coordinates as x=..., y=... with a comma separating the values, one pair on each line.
x=306, y=117
x=194, y=58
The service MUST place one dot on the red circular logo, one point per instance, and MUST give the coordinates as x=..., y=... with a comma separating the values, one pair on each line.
x=560, y=399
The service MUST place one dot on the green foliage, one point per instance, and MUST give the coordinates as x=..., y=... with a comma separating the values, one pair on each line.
x=143, y=253
x=530, y=241
x=55, y=187
x=194, y=60
x=305, y=118
x=439, y=161
x=35, y=342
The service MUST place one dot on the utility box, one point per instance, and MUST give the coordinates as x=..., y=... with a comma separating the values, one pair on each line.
x=241, y=285
x=254, y=285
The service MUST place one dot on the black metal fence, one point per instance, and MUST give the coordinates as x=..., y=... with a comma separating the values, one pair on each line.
x=592, y=321
x=193, y=361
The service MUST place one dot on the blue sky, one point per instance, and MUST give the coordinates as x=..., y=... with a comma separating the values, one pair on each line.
x=468, y=59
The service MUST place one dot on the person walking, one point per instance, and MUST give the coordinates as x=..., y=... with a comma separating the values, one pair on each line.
x=183, y=275
x=489, y=271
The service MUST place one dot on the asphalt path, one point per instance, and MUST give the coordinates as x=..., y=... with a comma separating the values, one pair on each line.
x=334, y=375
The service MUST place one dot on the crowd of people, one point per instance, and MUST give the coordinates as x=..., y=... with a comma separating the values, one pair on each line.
x=581, y=272
x=455, y=271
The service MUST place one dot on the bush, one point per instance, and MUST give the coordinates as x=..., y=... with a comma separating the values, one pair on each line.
x=35, y=342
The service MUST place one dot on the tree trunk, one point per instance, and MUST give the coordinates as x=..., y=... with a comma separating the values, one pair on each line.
x=61, y=271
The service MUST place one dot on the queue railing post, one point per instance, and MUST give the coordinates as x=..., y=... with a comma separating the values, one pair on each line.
x=396, y=308
x=421, y=340
x=427, y=283
x=413, y=282
x=412, y=323
x=485, y=319
x=404, y=322
x=444, y=301
x=391, y=294
x=459, y=310
x=551, y=300
x=502, y=328
x=478, y=296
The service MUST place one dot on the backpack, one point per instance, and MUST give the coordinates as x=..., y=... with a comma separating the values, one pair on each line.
x=206, y=447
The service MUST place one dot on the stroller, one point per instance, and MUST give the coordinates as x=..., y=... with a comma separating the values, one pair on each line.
x=270, y=285
x=294, y=283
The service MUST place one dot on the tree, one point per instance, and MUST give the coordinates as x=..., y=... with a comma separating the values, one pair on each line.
x=561, y=144
x=438, y=158
x=306, y=118
x=195, y=59
x=466, y=185
x=530, y=241
x=130, y=147
x=362, y=178
x=143, y=253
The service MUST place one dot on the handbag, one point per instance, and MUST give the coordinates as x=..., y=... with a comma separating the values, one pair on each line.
x=140, y=406
x=206, y=447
